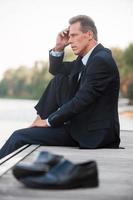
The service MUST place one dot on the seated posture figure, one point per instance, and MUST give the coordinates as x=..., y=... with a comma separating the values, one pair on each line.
x=80, y=105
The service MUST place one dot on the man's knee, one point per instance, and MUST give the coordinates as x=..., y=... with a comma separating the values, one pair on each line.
x=17, y=136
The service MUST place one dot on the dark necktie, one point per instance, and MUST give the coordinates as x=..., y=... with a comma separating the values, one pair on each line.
x=74, y=78
x=79, y=69
x=78, y=75
x=81, y=73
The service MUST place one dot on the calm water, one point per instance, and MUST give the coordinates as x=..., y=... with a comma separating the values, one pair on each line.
x=16, y=114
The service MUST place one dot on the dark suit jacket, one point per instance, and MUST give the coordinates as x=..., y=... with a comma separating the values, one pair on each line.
x=92, y=112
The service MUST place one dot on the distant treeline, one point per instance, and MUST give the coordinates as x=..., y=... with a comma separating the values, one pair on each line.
x=29, y=83
x=124, y=60
x=25, y=82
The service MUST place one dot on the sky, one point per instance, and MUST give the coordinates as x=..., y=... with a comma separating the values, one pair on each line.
x=28, y=28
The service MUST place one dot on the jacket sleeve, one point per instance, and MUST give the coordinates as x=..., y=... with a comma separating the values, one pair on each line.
x=56, y=65
x=98, y=77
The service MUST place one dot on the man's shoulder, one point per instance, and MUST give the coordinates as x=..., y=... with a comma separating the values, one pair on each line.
x=103, y=57
x=103, y=53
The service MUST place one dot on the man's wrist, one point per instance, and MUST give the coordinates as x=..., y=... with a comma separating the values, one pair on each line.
x=48, y=122
x=58, y=48
x=56, y=53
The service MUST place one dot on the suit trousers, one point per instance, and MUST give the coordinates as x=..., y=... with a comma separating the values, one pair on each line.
x=56, y=94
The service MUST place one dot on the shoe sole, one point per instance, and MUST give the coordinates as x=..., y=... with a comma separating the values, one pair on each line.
x=82, y=184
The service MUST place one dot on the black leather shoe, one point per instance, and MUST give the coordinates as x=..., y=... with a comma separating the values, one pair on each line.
x=65, y=175
x=41, y=165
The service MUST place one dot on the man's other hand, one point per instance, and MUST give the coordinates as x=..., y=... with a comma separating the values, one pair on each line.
x=38, y=122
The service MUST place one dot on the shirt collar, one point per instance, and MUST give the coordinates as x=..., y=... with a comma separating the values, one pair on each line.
x=86, y=57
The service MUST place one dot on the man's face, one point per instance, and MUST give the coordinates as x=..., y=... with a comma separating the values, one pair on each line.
x=78, y=40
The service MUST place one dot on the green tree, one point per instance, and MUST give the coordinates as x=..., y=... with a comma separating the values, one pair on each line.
x=128, y=56
x=130, y=92
x=124, y=61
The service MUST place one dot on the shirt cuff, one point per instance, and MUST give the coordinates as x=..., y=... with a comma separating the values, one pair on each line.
x=48, y=123
x=56, y=53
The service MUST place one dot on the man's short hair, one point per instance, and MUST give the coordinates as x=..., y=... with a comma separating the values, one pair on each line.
x=87, y=24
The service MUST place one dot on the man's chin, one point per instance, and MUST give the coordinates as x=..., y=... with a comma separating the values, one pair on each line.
x=76, y=52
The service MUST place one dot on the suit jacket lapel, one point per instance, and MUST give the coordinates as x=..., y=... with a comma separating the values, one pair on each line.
x=98, y=48
x=78, y=67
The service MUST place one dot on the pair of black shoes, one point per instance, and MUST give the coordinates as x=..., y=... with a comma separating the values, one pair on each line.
x=51, y=171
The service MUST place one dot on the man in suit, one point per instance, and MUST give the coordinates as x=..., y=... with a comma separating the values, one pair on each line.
x=80, y=105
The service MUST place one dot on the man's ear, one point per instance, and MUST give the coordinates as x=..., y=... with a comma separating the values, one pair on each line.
x=90, y=35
